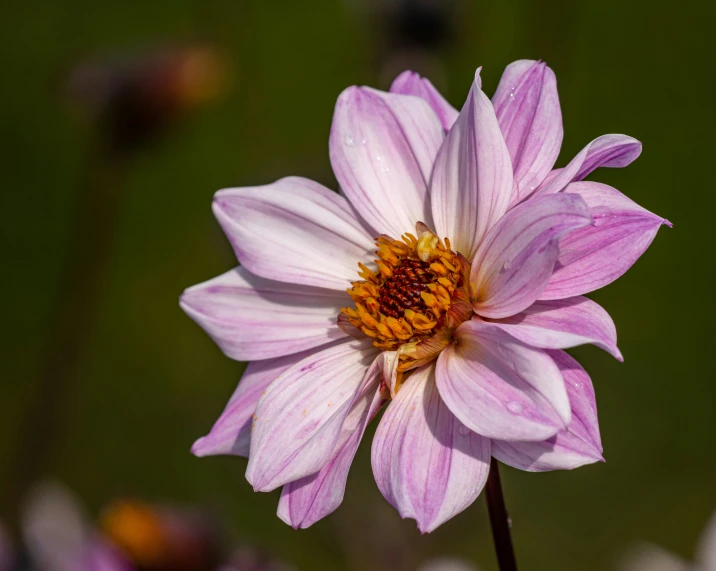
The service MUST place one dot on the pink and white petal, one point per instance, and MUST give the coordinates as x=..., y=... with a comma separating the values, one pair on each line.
x=472, y=179
x=613, y=151
x=231, y=434
x=312, y=498
x=410, y=83
x=515, y=261
x=501, y=388
x=382, y=149
x=528, y=112
x=298, y=420
x=250, y=317
x=593, y=257
x=564, y=323
x=294, y=231
x=427, y=464
x=576, y=446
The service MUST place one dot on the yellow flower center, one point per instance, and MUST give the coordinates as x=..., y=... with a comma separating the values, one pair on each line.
x=414, y=299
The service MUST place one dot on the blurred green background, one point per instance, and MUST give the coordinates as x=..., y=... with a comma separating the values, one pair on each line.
x=149, y=381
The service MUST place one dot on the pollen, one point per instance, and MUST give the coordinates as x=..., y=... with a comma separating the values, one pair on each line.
x=404, y=288
x=416, y=290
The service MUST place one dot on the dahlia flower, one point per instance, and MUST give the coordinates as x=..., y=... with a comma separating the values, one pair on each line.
x=442, y=284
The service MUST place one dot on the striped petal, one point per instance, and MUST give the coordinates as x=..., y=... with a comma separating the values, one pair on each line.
x=410, y=83
x=427, y=464
x=472, y=180
x=613, y=151
x=312, y=498
x=382, y=148
x=294, y=231
x=527, y=108
x=562, y=324
x=298, y=419
x=250, y=317
x=595, y=256
x=516, y=259
x=231, y=434
x=575, y=446
x=501, y=388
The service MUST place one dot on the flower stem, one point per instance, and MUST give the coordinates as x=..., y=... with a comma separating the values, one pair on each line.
x=499, y=520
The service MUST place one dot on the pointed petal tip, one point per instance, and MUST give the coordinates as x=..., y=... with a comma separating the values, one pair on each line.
x=423, y=526
x=667, y=223
x=258, y=482
x=198, y=449
x=286, y=518
x=407, y=74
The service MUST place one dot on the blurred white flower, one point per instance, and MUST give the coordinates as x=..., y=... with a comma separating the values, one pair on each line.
x=58, y=536
x=653, y=558
x=447, y=564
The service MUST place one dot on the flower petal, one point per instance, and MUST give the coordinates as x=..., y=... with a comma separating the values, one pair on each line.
x=312, y=498
x=501, y=388
x=410, y=83
x=382, y=148
x=613, y=151
x=575, y=446
x=294, y=231
x=562, y=324
x=250, y=317
x=426, y=463
x=298, y=419
x=516, y=259
x=593, y=257
x=527, y=108
x=472, y=179
x=231, y=434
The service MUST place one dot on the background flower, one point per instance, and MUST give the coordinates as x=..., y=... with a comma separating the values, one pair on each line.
x=652, y=558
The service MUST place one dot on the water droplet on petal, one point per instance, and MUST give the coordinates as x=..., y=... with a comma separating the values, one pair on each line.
x=507, y=265
x=349, y=141
x=464, y=430
x=363, y=141
x=379, y=158
x=515, y=407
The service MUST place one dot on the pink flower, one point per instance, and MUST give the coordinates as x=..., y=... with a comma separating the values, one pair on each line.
x=474, y=255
